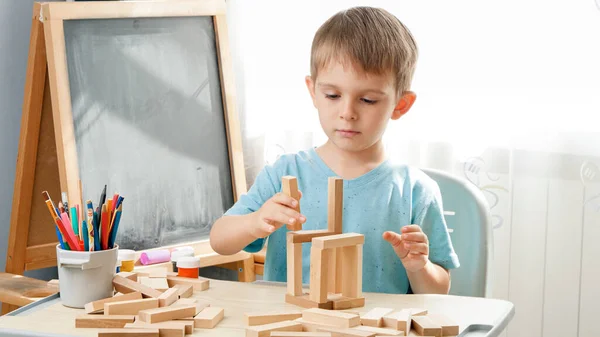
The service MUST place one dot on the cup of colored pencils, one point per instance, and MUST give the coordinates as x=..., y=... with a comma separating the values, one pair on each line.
x=83, y=228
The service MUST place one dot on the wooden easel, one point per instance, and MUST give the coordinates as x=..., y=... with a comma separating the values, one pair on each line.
x=47, y=158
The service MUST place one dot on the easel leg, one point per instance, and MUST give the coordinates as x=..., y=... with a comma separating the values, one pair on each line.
x=246, y=270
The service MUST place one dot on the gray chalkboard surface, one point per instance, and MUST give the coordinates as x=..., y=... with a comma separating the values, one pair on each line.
x=148, y=121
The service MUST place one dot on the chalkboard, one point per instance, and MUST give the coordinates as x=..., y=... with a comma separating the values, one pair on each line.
x=149, y=122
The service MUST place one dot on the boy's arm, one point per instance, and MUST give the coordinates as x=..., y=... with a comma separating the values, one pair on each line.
x=231, y=233
x=432, y=279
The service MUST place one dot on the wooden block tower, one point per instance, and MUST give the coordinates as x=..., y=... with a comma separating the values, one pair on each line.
x=335, y=258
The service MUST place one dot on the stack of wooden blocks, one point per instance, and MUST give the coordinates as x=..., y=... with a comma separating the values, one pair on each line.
x=316, y=322
x=335, y=258
x=155, y=303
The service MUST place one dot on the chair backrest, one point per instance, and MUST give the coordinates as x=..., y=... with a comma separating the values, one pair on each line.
x=468, y=218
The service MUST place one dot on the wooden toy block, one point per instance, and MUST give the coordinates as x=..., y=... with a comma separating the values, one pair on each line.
x=307, y=235
x=184, y=290
x=352, y=269
x=209, y=317
x=130, y=307
x=124, y=332
x=199, y=284
x=165, y=329
x=157, y=283
x=318, y=274
x=266, y=329
x=129, y=275
x=332, y=272
x=289, y=186
x=333, y=318
x=294, y=267
x=125, y=286
x=347, y=303
x=305, y=302
x=424, y=326
x=374, y=317
x=380, y=331
x=335, y=198
x=103, y=321
x=347, y=332
x=185, y=301
x=187, y=324
x=299, y=334
x=399, y=320
x=339, y=274
x=311, y=326
x=262, y=318
x=198, y=304
x=168, y=297
x=167, y=313
x=97, y=307
x=449, y=326
x=338, y=240
x=157, y=273
x=418, y=312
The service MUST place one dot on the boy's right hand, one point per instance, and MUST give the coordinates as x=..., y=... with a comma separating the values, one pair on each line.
x=274, y=213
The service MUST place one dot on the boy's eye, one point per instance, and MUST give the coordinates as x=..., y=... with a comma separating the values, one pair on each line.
x=332, y=96
x=368, y=101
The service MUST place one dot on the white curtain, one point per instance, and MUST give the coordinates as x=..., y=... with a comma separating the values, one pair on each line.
x=508, y=97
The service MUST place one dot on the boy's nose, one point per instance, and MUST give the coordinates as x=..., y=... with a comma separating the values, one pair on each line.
x=348, y=112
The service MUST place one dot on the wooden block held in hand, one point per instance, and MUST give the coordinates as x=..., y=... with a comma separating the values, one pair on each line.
x=399, y=320
x=167, y=313
x=289, y=186
x=260, y=318
x=125, y=286
x=168, y=297
x=199, y=284
x=424, y=326
x=157, y=283
x=98, y=306
x=103, y=321
x=334, y=318
x=124, y=332
x=449, y=326
x=184, y=290
x=374, y=317
x=209, y=317
x=266, y=329
x=130, y=307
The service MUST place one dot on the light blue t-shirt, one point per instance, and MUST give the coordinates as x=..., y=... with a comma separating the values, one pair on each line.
x=383, y=199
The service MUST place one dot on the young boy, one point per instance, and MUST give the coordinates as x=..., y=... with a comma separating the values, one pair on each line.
x=362, y=62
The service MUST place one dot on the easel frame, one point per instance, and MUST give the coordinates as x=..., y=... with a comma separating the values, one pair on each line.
x=47, y=80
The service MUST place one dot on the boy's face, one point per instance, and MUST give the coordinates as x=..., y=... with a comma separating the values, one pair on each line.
x=355, y=107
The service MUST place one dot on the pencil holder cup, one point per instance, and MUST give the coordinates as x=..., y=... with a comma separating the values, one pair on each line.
x=85, y=276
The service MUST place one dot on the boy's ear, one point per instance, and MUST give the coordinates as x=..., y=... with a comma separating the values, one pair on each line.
x=404, y=104
x=311, y=88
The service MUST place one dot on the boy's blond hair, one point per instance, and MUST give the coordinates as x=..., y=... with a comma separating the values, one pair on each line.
x=370, y=38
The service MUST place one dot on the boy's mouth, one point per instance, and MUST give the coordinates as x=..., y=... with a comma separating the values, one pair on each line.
x=347, y=133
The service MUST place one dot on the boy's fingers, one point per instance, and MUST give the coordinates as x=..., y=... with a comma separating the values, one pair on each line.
x=417, y=248
x=415, y=236
x=285, y=200
x=411, y=228
x=396, y=242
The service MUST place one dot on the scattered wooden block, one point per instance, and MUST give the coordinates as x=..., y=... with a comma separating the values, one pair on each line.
x=157, y=283
x=348, y=303
x=424, y=326
x=399, y=320
x=103, y=321
x=380, y=331
x=98, y=306
x=167, y=313
x=209, y=317
x=347, y=332
x=449, y=326
x=130, y=307
x=199, y=284
x=311, y=326
x=299, y=334
x=338, y=240
x=125, y=286
x=128, y=332
x=262, y=318
x=165, y=329
x=307, y=235
x=129, y=275
x=168, y=297
x=199, y=304
x=418, y=312
x=305, y=302
x=289, y=186
x=266, y=329
x=185, y=301
x=334, y=318
x=374, y=317
x=157, y=273
x=184, y=290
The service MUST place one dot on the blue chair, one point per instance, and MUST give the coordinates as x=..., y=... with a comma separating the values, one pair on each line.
x=468, y=217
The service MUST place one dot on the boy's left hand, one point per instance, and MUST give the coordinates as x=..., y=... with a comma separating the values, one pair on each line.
x=412, y=247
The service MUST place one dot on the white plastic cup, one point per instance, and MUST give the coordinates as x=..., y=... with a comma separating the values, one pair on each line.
x=85, y=276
